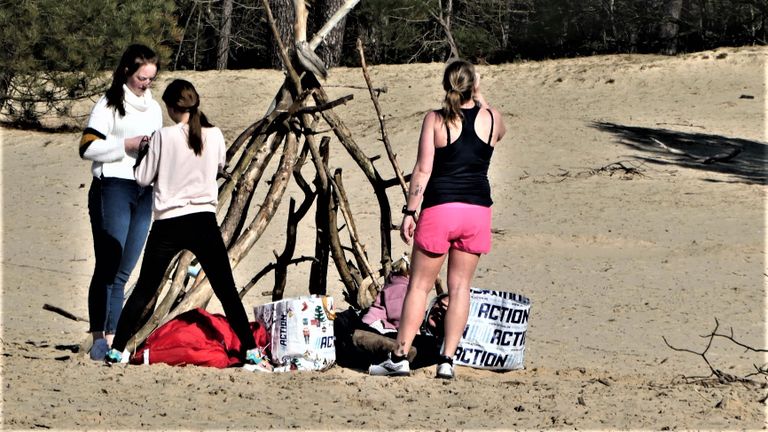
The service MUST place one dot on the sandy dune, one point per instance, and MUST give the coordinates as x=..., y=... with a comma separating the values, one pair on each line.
x=613, y=257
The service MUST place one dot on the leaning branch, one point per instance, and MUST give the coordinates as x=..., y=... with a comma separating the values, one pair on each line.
x=317, y=39
x=382, y=125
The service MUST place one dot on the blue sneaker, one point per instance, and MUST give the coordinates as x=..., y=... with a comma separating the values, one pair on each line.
x=113, y=356
x=256, y=361
x=99, y=349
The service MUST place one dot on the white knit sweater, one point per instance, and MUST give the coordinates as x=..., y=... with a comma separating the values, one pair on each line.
x=184, y=182
x=143, y=116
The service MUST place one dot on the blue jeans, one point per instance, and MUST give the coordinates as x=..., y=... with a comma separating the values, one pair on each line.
x=121, y=212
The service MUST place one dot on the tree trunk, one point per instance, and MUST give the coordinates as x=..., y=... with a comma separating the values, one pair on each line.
x=610, y=42
x=670, y=25
x=443, y=17
x=225, y=33
x=5, y=84
x=283, y=12
x=330, y=50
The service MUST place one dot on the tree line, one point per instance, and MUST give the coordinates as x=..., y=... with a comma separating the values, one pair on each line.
x=43, y=41
x=493, y=31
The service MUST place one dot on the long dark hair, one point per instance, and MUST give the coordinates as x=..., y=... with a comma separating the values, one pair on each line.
x=134, y=57
x=182, y=96
x=458, y=83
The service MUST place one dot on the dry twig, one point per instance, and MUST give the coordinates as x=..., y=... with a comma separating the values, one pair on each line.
x=722, y=377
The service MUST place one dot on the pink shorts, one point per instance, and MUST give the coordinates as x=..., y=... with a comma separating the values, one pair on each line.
x=465, y=227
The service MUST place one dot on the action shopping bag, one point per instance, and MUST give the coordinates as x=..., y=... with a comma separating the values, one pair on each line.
x=494, y=337
x=301, y=331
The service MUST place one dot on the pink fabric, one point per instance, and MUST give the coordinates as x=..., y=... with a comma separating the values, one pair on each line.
x=465, y=227
x=388, y=306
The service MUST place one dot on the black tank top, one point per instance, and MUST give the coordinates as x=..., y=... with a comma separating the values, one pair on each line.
x=460, y=169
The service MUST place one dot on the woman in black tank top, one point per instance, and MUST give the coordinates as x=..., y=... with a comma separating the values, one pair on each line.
x=450, y=182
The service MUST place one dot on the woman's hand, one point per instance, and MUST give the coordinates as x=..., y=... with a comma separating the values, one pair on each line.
x=407, y=227
x=476, y=94
x=134, y=144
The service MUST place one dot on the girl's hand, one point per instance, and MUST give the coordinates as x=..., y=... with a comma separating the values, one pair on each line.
x=407, y=227
x=134, y=144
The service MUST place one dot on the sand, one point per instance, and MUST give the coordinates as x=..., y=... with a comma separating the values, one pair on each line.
x=614, y=258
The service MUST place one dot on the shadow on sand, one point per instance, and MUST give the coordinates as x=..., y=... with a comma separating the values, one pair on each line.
x=748, y=166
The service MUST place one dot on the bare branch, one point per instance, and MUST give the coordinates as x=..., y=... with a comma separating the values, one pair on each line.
x=382, y=125
x=722, y=377
x=317, y=39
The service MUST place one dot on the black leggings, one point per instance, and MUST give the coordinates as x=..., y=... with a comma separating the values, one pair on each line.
x=199, y=233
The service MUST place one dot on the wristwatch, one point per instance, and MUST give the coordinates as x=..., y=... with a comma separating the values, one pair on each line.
x=407, y=212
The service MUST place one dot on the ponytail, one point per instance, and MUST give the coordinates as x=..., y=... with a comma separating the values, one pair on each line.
x=459, y=84
x=452, y=106
x=195, y=132
x=182, y=96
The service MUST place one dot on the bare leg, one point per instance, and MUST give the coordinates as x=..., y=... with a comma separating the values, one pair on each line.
x=425, y=267
x=461, y=269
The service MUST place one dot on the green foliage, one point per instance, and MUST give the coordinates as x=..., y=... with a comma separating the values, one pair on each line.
x=401, y=31
x=55, y=52
x=394, y=29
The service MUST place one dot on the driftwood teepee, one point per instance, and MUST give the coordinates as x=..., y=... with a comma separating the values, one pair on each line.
x=289, y=128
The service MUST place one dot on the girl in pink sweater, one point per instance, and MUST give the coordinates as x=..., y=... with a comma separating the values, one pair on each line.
x=183, y=161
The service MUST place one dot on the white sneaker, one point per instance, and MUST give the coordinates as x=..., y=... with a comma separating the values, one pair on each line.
x=390, y=368
x=99, y=349
x=445, y=368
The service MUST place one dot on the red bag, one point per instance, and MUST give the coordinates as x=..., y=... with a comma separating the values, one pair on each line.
x=197, y=337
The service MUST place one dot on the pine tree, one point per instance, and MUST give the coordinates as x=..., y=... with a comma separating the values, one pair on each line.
x=55, y=52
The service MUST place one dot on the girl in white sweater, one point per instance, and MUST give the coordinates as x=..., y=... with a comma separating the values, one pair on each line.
x=120, y=210
x=183, y=162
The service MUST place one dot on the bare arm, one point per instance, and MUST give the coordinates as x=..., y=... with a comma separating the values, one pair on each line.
x=500, y=128
x=422, y=171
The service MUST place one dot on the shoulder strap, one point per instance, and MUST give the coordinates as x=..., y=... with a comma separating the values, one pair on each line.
x=490, y=135
x=448, y=130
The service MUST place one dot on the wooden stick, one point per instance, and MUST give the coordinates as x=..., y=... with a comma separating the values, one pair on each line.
x=318, y=274
x=358, y=247
x=317, y=39
x=63, y=313
x=376, y=89
x=300, y=25
x=281, y=48
x=345, y=137
x=382, y=126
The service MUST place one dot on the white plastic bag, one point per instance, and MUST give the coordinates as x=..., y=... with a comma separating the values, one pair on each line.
x=494, y=337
